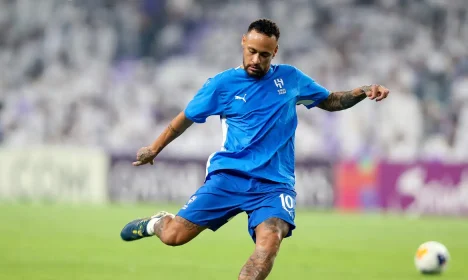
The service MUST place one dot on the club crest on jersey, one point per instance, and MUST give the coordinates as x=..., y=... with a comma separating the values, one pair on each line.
x=280, y=84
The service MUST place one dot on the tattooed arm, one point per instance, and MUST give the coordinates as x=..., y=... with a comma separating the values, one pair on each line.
x=177, y=126
x=342, y=100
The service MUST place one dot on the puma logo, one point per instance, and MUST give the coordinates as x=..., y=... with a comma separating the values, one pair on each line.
x=241, y=98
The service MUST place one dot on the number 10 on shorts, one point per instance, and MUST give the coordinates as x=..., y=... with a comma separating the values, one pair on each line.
x=288, y=203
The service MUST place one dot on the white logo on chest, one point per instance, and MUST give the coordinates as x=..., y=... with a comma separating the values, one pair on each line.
x=241, y=98
x=280, y=84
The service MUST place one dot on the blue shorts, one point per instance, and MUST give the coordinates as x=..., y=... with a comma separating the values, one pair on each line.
x=224, y=195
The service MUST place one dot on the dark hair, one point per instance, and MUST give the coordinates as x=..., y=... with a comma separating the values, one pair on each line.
x=265, y=26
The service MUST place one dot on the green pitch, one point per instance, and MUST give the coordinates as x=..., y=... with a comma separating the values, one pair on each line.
x=68, y=242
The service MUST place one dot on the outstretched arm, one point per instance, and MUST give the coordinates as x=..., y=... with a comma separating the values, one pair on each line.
x=342, y=100
x=175, y=128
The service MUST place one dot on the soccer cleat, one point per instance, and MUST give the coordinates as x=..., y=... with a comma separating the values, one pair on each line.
x=136, y=229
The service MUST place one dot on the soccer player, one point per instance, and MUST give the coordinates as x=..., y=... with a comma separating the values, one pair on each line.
x=254, y=170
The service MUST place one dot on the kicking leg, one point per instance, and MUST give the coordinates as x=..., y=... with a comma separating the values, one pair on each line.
x=175, y=231
x=210, y=207
x=171, y=230
x=269, y=235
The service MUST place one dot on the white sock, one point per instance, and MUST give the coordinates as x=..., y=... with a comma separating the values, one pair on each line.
x=150, y=225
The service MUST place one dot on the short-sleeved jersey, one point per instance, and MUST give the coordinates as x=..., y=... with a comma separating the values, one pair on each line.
x=258, y=117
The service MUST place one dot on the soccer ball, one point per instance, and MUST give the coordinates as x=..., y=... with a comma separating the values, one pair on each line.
x=431, y=257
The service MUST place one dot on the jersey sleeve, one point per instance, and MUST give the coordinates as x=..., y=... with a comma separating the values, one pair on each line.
x=207, y=102
x=310, y=92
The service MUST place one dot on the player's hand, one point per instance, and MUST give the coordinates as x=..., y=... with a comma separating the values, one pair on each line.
x=376, y=92
x=144, y=155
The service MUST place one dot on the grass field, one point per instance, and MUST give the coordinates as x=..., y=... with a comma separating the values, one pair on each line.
x=68, y=242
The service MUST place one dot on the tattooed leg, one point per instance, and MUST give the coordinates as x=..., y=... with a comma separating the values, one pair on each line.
x=269, y=235
x=175, y=231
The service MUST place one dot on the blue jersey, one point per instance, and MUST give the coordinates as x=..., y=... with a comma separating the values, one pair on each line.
x=258, y=117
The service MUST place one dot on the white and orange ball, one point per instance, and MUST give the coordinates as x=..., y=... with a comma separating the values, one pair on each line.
x=431, y=257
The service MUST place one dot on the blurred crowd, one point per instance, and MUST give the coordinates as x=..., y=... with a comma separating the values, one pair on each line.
x=113, y=73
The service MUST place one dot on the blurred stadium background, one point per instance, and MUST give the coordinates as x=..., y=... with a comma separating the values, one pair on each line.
x=85, y=83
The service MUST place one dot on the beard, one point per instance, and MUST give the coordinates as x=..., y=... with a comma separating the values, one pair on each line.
x=257, y=73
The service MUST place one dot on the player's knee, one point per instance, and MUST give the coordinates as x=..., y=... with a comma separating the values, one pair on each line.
x=272, y=230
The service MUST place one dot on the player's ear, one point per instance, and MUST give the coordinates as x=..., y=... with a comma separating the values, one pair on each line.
x=243, y=40
x=276, y=50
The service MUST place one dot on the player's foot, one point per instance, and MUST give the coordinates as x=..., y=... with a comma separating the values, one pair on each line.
x=137, y=229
